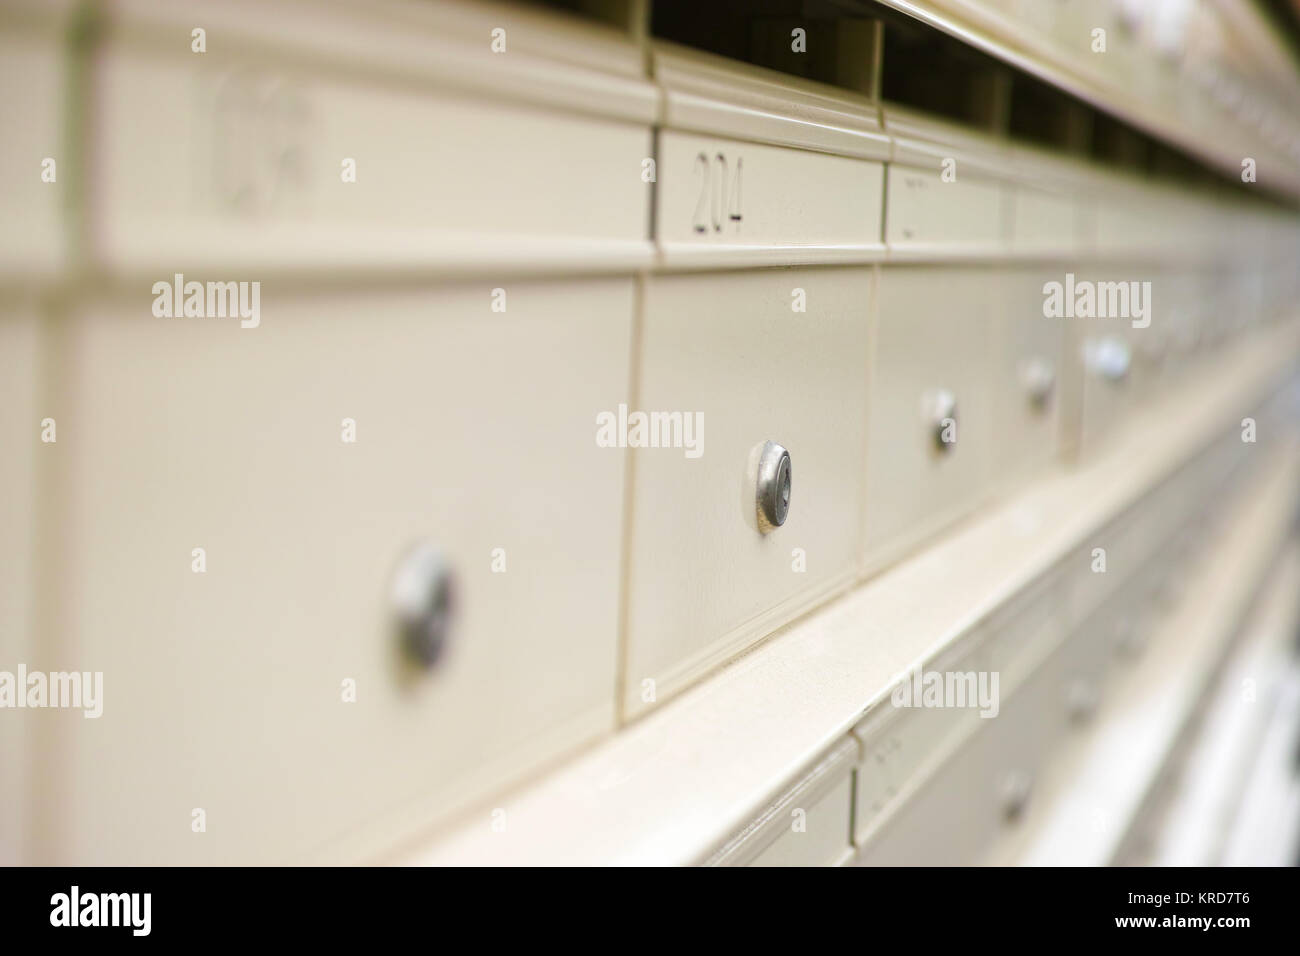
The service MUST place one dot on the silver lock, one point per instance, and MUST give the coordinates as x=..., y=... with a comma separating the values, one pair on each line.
x=1038, y=376
x=773, y=489
x=1109, y=357
x=939, y=407
x=424, y=604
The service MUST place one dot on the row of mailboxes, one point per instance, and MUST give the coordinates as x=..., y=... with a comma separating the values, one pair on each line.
x=917, y=785
x=1163, y=63
x=282, y=153
x=945, y=786
x=523, y=339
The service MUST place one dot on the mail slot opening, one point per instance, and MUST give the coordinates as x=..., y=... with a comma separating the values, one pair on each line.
x=831, y=45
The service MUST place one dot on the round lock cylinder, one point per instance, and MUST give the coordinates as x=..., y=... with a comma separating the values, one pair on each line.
x=1110, y=357
x=1038, y=376
x=773, y=491
x=424, y=604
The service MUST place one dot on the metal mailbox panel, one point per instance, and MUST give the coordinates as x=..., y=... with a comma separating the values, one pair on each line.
x=1030, y=351
x=730, y=349
x=924, y=210
x=282, y=158
x=933, y=338
x=820, y=838
x=226, y=690
x=720, y=195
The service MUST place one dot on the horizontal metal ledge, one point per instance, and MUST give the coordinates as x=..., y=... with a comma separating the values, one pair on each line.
x=681, y=256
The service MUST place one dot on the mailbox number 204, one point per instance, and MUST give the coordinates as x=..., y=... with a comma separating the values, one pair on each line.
x=719, y=199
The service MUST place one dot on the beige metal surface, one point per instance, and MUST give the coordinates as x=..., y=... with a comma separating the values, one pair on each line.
x=282, y=154
x=933, y=334
x=556, y=222
x=724, y=202
x=629, y=800
x=37, y=164
x=703, y=581
x=21, y=413
x=228, y=688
